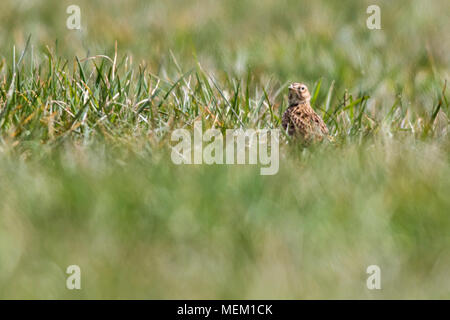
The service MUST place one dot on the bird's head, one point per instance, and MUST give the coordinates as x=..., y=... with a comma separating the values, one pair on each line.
x=298, y=93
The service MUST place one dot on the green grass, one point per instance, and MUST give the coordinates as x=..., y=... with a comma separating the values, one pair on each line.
x=86, y=176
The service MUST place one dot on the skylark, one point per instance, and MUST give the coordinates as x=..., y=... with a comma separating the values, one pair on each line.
x=299, y=119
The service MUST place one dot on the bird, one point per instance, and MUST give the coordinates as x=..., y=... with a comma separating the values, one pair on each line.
x=299, y=119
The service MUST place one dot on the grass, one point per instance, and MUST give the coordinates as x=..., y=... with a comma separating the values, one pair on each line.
x=86, y=176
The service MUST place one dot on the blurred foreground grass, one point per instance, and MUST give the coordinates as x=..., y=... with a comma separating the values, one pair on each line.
x=86, y=176
x=140, y=227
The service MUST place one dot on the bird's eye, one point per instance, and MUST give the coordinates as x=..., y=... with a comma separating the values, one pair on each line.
x=302, y=88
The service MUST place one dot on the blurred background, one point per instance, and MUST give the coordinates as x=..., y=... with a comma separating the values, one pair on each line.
x=285, y=40
x=140, y=227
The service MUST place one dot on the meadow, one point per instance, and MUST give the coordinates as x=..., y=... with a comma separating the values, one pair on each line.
x=86, y=176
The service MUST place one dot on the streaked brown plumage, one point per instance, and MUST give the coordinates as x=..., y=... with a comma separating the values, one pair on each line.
x=300, y=120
